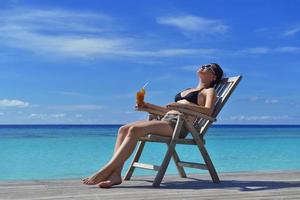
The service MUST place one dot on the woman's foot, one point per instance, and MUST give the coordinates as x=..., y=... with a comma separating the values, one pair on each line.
x=96, y=178
x=114, y=179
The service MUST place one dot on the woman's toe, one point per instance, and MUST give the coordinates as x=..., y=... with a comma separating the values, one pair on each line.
x=105, y=184
x=88, y=181
x=85, y=179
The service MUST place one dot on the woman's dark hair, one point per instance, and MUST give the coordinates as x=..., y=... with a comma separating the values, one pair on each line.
x=218, y=72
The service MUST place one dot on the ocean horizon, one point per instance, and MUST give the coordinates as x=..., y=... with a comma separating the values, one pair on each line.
x=59, y=151
x=214, y=125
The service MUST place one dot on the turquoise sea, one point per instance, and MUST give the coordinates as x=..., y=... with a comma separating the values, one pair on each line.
x=35, y=152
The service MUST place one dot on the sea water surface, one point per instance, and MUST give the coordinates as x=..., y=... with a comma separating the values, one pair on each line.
x=36, y=152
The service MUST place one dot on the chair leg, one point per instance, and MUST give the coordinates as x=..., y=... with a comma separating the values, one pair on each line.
x=211, y=168
x=135, y=159
x=163, y=167
x=204, y=153
x=179, y=168
x=170, y=152
x=208, y=162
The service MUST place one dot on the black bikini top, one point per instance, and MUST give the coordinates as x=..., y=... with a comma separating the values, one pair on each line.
x=191, y=97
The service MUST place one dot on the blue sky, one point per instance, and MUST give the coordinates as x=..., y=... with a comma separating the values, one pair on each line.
x=76, y=61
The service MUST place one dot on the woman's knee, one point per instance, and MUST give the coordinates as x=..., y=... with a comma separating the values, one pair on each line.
x=123, y=130
x=136, y=131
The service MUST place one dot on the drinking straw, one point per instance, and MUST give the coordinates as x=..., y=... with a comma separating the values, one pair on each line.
x=145, y=84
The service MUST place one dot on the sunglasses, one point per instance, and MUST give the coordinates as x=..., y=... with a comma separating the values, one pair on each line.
x=208, y=67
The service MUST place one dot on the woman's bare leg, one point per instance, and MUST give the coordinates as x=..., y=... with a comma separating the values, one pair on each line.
x=123, y=132
x=129, y=143
x=116, y=175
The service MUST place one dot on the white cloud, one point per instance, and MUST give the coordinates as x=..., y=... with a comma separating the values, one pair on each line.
x=86, y=107
x=278, y=32
x=259, y=99
x=75, y=34
x=258, y=118
x=266, y=50
x=88, y=35
x=255, y=50
x=254, y=98
x=59, y=32
x=271, y=101
x=168, y=52
x=287, y=49
x=33, y=115
x=58, y=20
x=197, y=24
x=250, y=98
x=78, y=46
x=47, y=116
x=292, y=31
x=13, y=103
x=60, y=115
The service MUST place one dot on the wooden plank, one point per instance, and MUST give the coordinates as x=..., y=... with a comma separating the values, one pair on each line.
x=162, y=139
x=169, y=153
x=136, y=158
x=205, y=155
x=146, y=166
x=180, y=169
x=235, y=186
x=193, y=165
x=155, y=138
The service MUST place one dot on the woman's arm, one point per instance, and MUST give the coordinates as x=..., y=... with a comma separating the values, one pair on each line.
x=156, y=112
x=201, y=109
x=156, y=107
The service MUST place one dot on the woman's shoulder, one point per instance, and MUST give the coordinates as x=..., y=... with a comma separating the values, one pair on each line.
x=187, y=89
x=210, y=90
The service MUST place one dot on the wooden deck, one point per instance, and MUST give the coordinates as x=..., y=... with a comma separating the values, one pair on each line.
x=269, y=185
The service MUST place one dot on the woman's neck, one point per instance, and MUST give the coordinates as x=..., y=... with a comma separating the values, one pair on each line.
x=202, y=84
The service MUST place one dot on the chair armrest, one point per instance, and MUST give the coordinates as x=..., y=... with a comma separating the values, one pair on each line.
x=194, y=113
x=152, y=111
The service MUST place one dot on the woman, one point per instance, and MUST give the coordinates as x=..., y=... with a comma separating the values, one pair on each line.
x=200, y=99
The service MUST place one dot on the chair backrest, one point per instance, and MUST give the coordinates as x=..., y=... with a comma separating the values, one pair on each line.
x=224, y=89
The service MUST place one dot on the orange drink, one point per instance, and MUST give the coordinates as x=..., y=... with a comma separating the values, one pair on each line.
x=140, y=95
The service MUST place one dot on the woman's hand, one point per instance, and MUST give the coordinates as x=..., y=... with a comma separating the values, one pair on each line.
x=143, y=105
